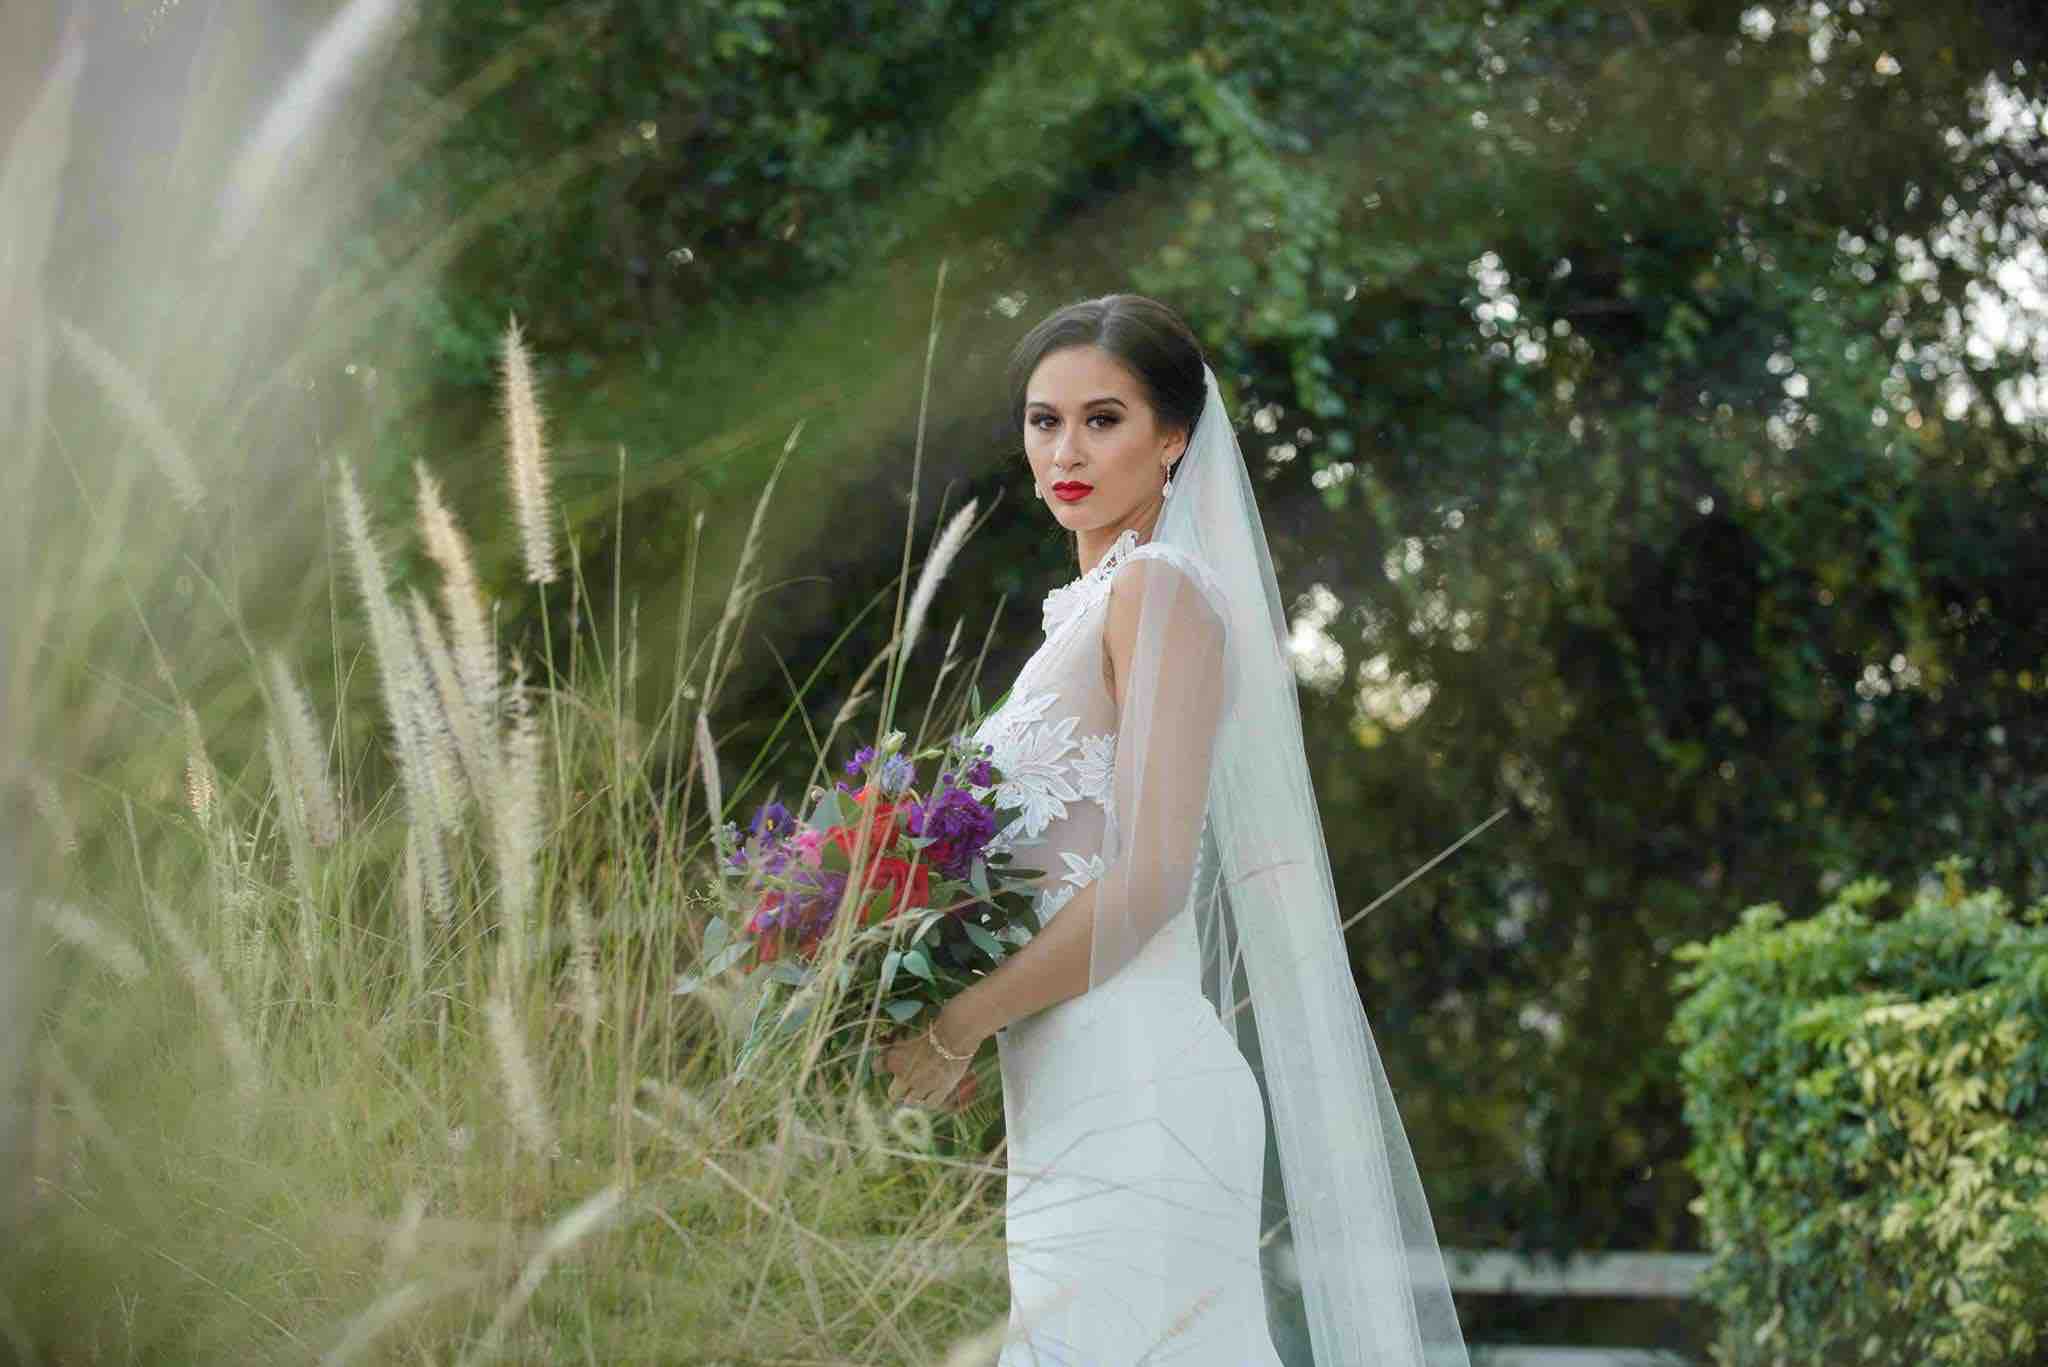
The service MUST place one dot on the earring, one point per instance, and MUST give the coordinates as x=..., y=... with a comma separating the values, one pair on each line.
x=1166, y=489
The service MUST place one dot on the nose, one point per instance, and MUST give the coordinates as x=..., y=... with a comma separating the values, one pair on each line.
x=1059, y=449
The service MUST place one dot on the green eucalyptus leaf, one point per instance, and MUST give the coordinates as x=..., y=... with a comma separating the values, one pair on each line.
x=987, y=943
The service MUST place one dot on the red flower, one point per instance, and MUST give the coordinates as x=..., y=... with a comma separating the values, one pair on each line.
x=908, y=887
x=880, y=838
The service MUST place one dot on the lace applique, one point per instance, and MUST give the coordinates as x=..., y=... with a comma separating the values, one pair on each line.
x=1031, y=754
x=1052, y=898
x=1062, y=604
x=1095, y=768
x=1082, y=871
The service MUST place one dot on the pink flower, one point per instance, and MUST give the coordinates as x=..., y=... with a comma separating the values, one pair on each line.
x=807, y=843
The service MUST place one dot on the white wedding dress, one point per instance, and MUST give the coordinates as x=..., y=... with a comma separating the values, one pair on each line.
x=1136, y=1129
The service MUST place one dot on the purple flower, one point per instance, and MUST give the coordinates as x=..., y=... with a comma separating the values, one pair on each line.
x=773, y=821
x=862, y=758
x=959, y=826
x=768, y=840
x=816, y=899
x=981, y=773
x=895, y=775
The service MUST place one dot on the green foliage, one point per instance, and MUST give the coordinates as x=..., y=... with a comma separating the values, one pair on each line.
x=1595, y=361
x=1868, y=1097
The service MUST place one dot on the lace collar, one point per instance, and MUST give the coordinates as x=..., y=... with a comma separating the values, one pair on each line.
x=1069, y=598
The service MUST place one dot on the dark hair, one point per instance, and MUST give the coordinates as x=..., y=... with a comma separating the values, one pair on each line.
x=1147, y=336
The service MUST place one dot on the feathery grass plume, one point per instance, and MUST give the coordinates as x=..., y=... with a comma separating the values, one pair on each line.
x=583, y=971
x=213, y=999
x=50, y=806
x=237, y=898
x=874, y=1144
x=405, y=1234
x=402, y=677
x=979, y=1349
x=109, y=946
x=380, y=1315
x=411, y=902
x=306, y=753
x=347, y=42
x=526, y=458
x=632, y=688
x=913, y=1126
x=695, y=1112
x=453, y=743
x=200, y=788
x=132, y=399
x=707, y=770
x=298, y=845
x=431, y=725
x=935, y=566
x=517, y=825
x=264, y=976
x=437, y=879
x=523, y=1104
x=589, y=1216
x=476, y=661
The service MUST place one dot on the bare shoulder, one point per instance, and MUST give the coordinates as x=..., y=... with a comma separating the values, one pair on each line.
x=1173, y=587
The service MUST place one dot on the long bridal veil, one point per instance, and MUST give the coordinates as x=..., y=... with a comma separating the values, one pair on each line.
x=1213, y=788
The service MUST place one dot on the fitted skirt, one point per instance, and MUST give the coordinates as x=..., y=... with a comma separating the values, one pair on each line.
x=1136, y=1142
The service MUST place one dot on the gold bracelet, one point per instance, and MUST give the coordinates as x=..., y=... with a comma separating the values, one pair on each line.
x=931, y=1032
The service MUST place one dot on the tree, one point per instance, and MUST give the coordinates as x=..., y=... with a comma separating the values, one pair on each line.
x=1608, y=377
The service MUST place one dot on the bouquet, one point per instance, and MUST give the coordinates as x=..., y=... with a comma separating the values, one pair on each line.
x=936, y=901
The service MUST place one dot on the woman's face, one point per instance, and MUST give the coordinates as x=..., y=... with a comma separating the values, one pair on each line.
x=1090, y=435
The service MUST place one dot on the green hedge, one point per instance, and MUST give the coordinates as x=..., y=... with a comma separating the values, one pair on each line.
x=1870, y=1127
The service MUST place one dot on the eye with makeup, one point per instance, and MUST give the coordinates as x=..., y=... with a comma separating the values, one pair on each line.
x=1109, y=418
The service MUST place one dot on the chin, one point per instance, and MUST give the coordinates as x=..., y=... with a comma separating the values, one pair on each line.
x=1076, y=519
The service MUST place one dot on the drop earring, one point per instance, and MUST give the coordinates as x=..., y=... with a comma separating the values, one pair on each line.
x=1166, y=489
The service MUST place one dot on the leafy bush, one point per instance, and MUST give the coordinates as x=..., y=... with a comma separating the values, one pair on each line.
x=1871, y=1127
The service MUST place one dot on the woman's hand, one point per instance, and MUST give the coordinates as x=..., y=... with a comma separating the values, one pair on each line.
x=923, y=1078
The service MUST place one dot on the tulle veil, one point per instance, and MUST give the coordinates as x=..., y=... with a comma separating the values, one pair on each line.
x=1353, y=1254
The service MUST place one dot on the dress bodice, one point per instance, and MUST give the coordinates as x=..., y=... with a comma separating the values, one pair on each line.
x=1054, y=741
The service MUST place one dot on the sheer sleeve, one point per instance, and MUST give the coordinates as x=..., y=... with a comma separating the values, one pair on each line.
x=1167, y=635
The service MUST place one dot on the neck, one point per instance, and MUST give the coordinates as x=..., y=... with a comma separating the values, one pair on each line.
x=1094, y=543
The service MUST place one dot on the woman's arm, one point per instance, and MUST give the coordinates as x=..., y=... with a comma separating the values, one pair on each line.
x=1048, y=969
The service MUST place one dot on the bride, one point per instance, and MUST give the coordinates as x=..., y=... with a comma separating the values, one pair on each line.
x=1200, y=1133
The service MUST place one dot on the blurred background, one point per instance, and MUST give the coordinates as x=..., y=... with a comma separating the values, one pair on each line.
x=1647, y=402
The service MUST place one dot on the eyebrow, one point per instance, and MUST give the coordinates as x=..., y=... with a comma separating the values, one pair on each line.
x=1106, y=398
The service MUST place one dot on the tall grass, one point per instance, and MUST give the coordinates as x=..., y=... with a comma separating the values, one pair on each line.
x=351, y=1035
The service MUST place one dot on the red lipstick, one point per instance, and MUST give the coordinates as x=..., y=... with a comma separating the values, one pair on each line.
x=1070, y=491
